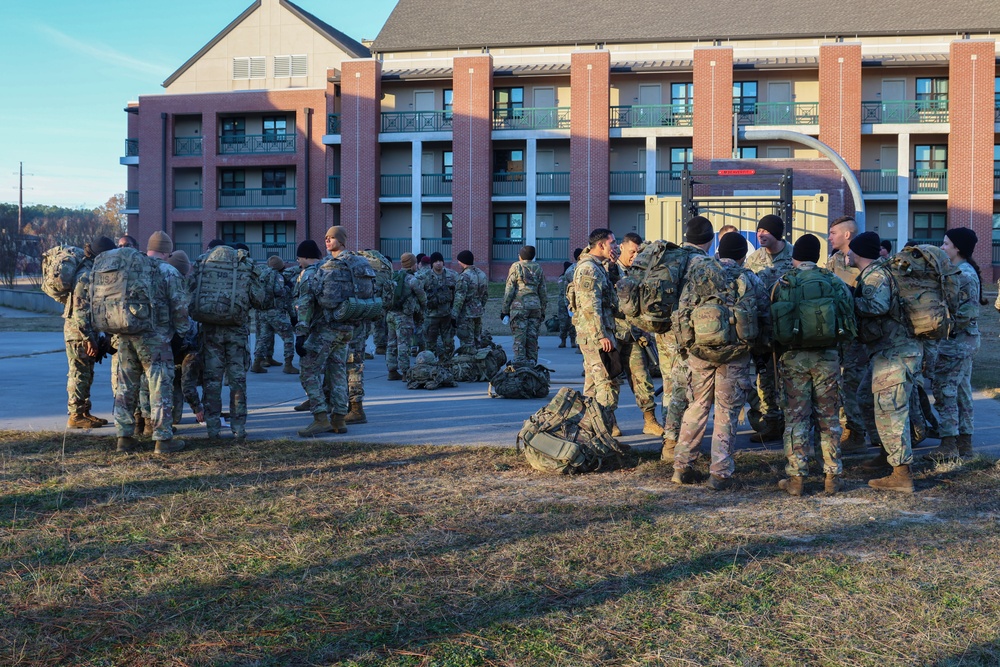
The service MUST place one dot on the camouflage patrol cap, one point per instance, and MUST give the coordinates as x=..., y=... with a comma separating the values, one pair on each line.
x=426, y=357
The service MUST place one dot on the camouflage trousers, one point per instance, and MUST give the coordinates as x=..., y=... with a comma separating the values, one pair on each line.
x=80, y=377
x=765, y=406
x=324, y=368
x=524, y=326
x=469, y=331
x=952, y=383
x=187, y=379
x=726, y=386
x=673, y=371
x=853, y=361
x=884, y=399
x=146, y=355
x=812, y=389
x=638, y=376
x=269, y=323
x=399, y=336
x=439, y=336
x=596, y=382
x=225, y=354
x=566, y=327
x=356, y=363
x=380, y=331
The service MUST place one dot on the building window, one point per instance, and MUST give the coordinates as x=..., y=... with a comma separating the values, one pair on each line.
x=233, y=183
x=446, y=225
x=252, y=67
x=930, y=227
x=273, y=233
x=233, y=232
x=233, y=130
x=273, y=181
x=744, y=96
x=508, y=102
x=449, y=102
x=508, y=227
x=932, y=89
x=996, y=92
x=680, y=159
x=927, y=158
x=996, y=161
x=996, y=227
x=682, y=93
x=274, y=128
x=289, y=66
x=746, y=152
x=508, y=161
x=448, y=165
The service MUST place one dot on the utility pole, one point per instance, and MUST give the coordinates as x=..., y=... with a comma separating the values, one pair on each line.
x=20, y=195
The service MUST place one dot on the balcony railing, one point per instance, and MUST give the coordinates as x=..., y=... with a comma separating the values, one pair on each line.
x=777, y=113
x=552, y=183
x=996, y=119
x=397, y=185
x=905, y=111
x=547, y=248
x=333, y=123
x=188, y=198
x=652, y=115
x=394, y=247
x=929, y=181
x=432, y=244
x=627, y=183
x=548, y=118
x=435, y=185
x=996, y=182
x=996, y=252
x=256, y=197
x=333, y=186
x=509, y=183
x=187, y=146
x=257, y=144
x=131, y=148
x=132, y=200
x=877, y=181
x=668, y=182
x=416, y=121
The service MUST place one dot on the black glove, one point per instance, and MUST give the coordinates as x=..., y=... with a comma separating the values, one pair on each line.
x=454, y=323
x=104, y=348
x=300, y=346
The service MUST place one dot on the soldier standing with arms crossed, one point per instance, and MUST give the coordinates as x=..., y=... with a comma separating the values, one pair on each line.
x=524, y=303
x=471, y=295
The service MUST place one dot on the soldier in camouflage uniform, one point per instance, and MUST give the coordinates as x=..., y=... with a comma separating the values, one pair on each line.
x=884, y=391
x=419, y=317
x=399, y=318
x=524, y=302
x=471, y=294
x=187, y=366
x=565, y=319
x=439, y=285
x=769, y=262
x=273, y=321
x=81, y=350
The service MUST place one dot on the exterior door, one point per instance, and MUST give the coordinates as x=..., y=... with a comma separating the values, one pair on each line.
x=649, y=99
x=544, y=102
x=779, y=107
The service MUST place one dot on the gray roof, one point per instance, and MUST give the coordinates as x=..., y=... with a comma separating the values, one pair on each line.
x=417, y=25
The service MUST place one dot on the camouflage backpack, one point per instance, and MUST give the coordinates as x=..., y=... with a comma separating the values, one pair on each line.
x=470, y=364
x=399, y=291
x=124, y=285
x=651, y=291
x=712, y=322
x=384, y=286
x=569, y=436
x=226, y=286
x=427, y=373
x=812, y=309
x=520, y=379
x=59, y=267
x=928, y=286
x=346, y=287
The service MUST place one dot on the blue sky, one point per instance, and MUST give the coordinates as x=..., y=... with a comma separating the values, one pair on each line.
x=72, y=66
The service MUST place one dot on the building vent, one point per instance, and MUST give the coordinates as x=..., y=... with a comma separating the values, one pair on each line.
x=249, y=67
x=285, y=66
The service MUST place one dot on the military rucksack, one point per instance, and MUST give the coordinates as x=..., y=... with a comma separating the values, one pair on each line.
x=471, y=364
x=520, y=379
x=346, y=287
x=383, y=273
x=712, y=321
x=59, y=267
x=812, y=309
x=569, y=436
x=427, y=373
x=398, y=290
x=928, y=287
x=651, y=291
x=226, y=287
x=124, y=286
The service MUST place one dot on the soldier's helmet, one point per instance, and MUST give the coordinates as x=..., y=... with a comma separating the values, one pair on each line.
x=426, y=357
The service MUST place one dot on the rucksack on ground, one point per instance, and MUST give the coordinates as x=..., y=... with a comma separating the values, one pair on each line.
x=226, y=287
x=59, y=267
x=650, y=293
x=520, y=379
x=428, y=373
x=471, y=364
x=928, y=287
x=812, y=309
x=346, y=287
x=712, y=322
x=569, y=436
x=124, y=284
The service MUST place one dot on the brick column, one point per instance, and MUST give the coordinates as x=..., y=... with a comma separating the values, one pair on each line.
x=970, y=143
x=589, y=145
x=840, y=100
x=132, y=172
x=713, y=105
x=361, y=107
x=472, y=152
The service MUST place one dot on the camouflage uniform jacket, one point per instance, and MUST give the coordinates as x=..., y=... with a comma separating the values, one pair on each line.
x=838, y=264
x=414, y=297
x=749, y=282
x=968, y=309
x=74, y=323
x=564, y=280
x=876, y=304
x=596, y=301
x=177, y=321
x=624, y=331
x=440, y=291
x=471, y=293
x=770, y=267
x=311, y=315
x=525, y=288
x=274, y=284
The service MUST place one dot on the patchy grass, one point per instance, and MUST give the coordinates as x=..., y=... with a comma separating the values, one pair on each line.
x=278, y=553
x=34, y=323
x=986, y=365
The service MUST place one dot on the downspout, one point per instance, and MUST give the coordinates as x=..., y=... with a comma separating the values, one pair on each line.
x=308, y=112
x=163, y=173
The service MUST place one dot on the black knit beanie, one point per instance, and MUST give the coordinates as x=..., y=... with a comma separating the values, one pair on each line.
x=773, y=225
x=102, y=244
x=698, y=230
x=733, y=246
x=866, y=245
x=964, y=239
x=308, y=250
x=806, y=249
x=466, y=257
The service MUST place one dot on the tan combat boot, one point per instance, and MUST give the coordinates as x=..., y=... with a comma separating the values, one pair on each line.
x=667, y=453
x=148, y=428
x=964, y=444
x=792, y=485
x=320, y=424
x=168, y=446
x=258, y=367
x=302, y=407
x=833, y=484
x=272, y=362
x=684, y=476
x=900, y=480
x=649, y=424
x=338, y=424
x=289, y=369
x=878, y=462
x=355, y=413
x=852, y=442
x=79, y=420
x=948, y=449
x=127, y=444
x=98, y=421
x=393, y=375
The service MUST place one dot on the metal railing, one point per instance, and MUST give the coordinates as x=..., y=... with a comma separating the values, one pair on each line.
x=188, y=198
x=996, y=119
x=435, y=185
x=929, y=181
x=878, y=181
x=416, y=121
x=905, y=111
x=394, y=247
x=552, y=183
x=777, y=113
x=548, y=118
x=132, y=199
x=193, y=250
x=187, y=146
x=668, y=182
x=652, y=115
x=433, y=244
x=333, y=123
x=397, y=185
x=996, y=182
x=509, y=183
x=627, y=183
x=261, y=251
x=131, y=148
x=257, y=143
x=333, y=186
x=996, y=252
x=256, y=197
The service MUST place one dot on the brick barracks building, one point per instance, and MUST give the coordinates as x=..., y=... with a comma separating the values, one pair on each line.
x=481, y=125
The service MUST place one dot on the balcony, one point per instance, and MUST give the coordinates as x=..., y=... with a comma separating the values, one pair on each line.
x=333, y=123
x=996, y=182
x=333, y=186
x=416, y=121
x=929, y=181
x=394, y=247
x=508, y=184
x=996, y=252
x=877, y=181
x=188, y=198
x=433, y=244
x=131, y=148
x=131, y=201
x=668, y=182
x=905, y=111
x=256, y=197
x=259, y=251
x=187, y=146
x=397, y=185
x=549, y=118
x=435, y=185
x=257, y=144
x=554, y=183
x=777, y=113
x=627, y=183
x=651, y=115
x=547, y=249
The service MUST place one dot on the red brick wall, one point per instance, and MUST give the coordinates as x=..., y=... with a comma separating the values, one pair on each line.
x=132, y=174
x=472, y=185
x=360, y=122
x=840, y=100
x=970, y=150
x=713, y=110
x=590, y=101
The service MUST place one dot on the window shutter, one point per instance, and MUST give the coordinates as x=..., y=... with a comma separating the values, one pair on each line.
x=299, y=65
x=241, y=68
x=282, y=66
x=257, y=67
